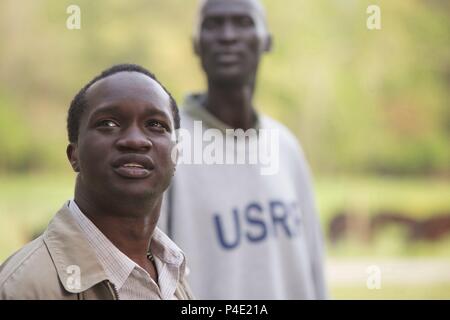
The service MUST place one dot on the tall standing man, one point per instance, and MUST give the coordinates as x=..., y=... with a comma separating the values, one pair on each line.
x=104, y=243
x=247, y=235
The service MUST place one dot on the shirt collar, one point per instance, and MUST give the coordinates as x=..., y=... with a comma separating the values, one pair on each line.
x=116, y=264
x=193, y=106
x=69, y=248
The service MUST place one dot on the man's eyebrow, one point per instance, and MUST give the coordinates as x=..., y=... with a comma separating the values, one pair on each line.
x=218, y=15
x=116, y=109
x=109, y=108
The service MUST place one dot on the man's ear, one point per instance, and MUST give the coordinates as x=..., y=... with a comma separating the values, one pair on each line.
x=72, y=155
x=268, y=43
x=195, y=45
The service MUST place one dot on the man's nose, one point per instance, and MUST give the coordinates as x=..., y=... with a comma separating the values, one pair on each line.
x=228, y=32
x=133, y=139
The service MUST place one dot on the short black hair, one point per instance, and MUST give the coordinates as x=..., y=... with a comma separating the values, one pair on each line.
x=79, y=102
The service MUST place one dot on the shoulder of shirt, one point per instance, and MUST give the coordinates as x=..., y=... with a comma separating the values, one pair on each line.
x=267, y=122
x=18, y=259
x=287, y=137
x=28, y=271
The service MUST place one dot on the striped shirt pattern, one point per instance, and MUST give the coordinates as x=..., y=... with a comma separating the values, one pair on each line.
x=131, y=281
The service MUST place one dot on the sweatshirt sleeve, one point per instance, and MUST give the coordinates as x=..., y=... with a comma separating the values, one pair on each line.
x=316, y=250
x=312, y=224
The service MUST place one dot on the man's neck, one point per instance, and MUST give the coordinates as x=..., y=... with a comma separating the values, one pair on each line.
x=130, y=233
x=233, y=105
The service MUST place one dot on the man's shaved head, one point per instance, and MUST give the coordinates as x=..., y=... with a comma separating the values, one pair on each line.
x=257, y=12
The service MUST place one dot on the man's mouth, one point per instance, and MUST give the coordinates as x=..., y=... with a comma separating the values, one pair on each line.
x=132, y=171
x=137, y=168
x=133, y=165
x=227, y=57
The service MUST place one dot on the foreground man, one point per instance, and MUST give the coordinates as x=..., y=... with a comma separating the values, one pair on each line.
x=247, y=235
x=104, y=243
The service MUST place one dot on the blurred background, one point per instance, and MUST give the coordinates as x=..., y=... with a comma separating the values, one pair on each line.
x=370, y=107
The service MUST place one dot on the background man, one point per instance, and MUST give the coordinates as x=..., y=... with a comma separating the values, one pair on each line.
x=246, y=235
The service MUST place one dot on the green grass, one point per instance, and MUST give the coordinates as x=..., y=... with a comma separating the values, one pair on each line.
x=390, y=242
x=388, y=292
x=417, y=198
x=28, y=202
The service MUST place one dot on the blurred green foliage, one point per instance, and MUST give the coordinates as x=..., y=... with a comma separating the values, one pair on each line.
x=359, y=100
x=366, y=105
x=397, y=292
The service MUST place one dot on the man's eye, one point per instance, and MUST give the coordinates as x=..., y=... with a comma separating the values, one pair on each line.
x=210, y=23
x=245, y=22
x=156, y=124
x=107, y=123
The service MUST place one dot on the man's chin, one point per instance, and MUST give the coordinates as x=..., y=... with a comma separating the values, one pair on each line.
x=229, y=78
x=226, y=73
x=134, y=192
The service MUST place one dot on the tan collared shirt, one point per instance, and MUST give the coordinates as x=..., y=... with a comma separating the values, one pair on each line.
x=131, y=281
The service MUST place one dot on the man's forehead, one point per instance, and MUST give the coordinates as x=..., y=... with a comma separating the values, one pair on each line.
x=253, y=8
x=120, y=84
x=231, y=7
x=122, y=79
x=127, y=88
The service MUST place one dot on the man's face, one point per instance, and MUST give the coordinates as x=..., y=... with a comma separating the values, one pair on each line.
x=229, y=43
x=125, y=138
